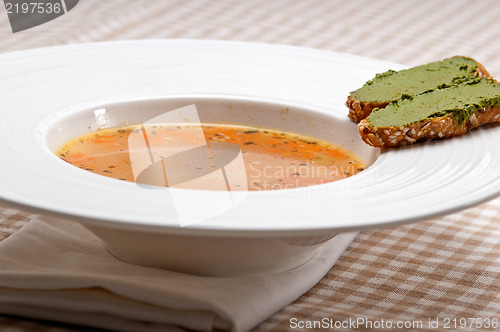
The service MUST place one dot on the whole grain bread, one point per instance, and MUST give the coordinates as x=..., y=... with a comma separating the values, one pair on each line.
x=436, y=114
x=429, y=129
x=361, y=108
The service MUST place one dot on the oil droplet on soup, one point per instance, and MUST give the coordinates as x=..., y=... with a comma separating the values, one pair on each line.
x=272, y=159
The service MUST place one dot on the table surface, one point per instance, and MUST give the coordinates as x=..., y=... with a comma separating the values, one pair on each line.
x=444, y=268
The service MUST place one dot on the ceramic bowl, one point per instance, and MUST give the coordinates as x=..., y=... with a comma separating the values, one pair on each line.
x=51, y=95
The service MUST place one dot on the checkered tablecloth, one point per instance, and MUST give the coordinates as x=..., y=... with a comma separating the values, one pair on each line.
x=443, y=269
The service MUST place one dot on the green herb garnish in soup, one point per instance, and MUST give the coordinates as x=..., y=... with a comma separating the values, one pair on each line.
x=271, y=159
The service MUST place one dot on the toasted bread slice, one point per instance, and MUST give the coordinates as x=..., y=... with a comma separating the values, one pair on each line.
x=391, y=85
x=435, y=114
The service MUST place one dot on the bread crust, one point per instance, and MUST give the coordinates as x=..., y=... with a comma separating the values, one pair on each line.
x=360, y=109
x=429, y=129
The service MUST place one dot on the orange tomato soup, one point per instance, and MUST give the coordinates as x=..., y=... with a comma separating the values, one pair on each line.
x=270, y=159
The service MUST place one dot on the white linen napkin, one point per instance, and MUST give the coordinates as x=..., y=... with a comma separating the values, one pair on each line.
x=57, y=270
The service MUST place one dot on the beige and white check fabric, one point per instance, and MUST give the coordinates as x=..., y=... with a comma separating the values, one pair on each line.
x=445, y=269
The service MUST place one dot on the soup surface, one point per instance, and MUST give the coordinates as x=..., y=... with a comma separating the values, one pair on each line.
x=210, y=156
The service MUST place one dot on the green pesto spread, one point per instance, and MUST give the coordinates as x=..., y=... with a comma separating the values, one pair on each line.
x=392, y=84
x=460, y=100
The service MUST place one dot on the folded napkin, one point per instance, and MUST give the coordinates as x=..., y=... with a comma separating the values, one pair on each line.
x=57, y=270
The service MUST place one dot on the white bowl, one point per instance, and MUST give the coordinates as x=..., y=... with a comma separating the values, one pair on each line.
x=186, y=249
x=50, y=95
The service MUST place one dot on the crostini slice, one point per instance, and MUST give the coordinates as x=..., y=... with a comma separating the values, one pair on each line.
x=435, y=114
x=392, y=85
